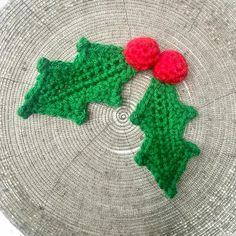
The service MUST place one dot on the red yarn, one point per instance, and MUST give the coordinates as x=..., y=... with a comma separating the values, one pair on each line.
x=171, y=67
x=142, y=53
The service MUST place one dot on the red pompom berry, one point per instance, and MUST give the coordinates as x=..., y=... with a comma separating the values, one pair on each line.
x=142, y=53
x=171, y=67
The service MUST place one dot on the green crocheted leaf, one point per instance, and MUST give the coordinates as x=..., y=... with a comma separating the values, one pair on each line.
x=64, y=89
x=163, y=118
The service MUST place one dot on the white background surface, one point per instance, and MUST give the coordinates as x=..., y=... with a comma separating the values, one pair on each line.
x=2, y=3
x=6, y=228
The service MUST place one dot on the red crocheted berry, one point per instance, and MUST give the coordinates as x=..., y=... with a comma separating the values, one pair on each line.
x=142, y=53
x=171, y=67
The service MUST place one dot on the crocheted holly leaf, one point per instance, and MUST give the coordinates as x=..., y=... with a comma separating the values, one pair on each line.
x=64, y=89
x=162, y=118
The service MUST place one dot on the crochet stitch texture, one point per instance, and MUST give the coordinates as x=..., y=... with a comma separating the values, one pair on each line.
x=64, y=89
x=162, y=117
x=171, y=67
x=142, y=53
x=97, y=74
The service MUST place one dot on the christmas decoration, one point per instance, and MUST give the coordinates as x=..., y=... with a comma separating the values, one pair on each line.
x=171, y=67
x=162, y=118
x=64, y=89
x=142, y=53
x=98, y=74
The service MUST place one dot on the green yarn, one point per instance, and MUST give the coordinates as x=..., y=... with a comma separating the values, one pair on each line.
x=162, y=118
x=97, y=74
x=64, y=89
